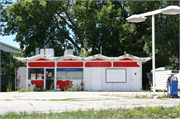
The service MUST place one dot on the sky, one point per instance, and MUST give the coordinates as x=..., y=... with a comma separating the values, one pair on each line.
x=9, y=40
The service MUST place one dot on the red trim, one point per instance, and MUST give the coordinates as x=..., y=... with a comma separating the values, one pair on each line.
x=98, y=64
x=97, y=59
x=69, y=59
x=41, y=64
x=41, y=59
x=64, y=85
x=126, y=59
x=70, y=64
x=38, y=83
x=125, y=64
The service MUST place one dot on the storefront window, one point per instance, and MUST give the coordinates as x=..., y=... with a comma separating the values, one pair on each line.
x=69, y=73
x=36, y=73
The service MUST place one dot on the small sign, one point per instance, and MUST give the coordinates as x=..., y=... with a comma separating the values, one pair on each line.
x=39, y=76
x=69, y=69
x=33, y=76
x=50, y=74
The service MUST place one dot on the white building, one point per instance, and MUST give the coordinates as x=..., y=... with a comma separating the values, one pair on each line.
x=161, y=76
x=8, y=48
x=94, y=73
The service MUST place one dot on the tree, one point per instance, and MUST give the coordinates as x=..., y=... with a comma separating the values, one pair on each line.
x=84, y=52
x=36, y=25
x=57, y=24
x=104, y=24
x=166, y=32
x=62, y=23
x=9, y=63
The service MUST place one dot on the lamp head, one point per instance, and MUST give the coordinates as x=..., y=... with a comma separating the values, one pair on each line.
x=171, y=10
x=136, y=18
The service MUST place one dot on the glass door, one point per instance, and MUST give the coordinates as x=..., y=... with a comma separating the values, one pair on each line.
x=49, y=79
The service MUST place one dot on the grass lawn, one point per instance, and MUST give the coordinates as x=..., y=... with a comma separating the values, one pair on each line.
x=137, y=112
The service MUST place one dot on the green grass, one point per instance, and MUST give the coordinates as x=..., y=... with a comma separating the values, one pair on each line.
x=145, y=96
x=137, y=112
x=66, y=99
x=7, y=100
x=71, y=99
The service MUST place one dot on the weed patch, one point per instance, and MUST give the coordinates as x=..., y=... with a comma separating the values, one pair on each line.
x=7, y=100
x=137, y=112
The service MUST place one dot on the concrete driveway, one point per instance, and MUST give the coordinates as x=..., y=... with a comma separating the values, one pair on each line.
x=67, y=101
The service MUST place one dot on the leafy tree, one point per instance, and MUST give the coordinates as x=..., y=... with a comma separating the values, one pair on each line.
x=36, y=25
x=104, y=24
x=62, y=23
x=56, y=24
x=9, y=63
x=166, y=32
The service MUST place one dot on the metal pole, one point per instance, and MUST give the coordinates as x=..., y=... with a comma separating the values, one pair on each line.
x=179, y=39
x=0, y=51
x=153, y=53
x=101, y=50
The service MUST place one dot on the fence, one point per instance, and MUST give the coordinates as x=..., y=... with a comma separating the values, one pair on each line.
x=5, y=81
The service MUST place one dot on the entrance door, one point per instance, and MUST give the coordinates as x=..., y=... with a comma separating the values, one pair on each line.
x=49, y=79
x=136, y=83
x=96, y=79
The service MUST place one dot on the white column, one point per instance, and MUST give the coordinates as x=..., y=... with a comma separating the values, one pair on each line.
x=27, y=67
x=44, y=78
x=55, y=76
x=153, y=53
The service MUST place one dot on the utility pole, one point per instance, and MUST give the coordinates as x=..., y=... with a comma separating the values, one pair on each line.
x=179, y=39
x=0, y=48
x=101, y=50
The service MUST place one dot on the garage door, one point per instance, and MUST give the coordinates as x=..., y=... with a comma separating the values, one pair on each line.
x=115, y=75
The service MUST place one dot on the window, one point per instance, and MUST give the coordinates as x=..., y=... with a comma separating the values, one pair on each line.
x=36, y=73
x=3, y=72
x=115, y=75
x=70, y=73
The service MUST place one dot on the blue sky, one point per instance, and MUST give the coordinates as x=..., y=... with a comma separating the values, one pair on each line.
x=9, y=40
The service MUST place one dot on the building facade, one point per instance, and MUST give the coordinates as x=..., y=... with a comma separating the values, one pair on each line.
x=94, y=73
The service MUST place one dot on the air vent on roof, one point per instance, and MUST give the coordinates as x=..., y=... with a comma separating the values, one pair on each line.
x=46, y=51
x=68, y=52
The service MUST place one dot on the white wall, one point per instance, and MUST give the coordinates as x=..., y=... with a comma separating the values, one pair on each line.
x=21, y=78
x=136, y=79
x=87, y=79
x=161, y=79
x=133, y=81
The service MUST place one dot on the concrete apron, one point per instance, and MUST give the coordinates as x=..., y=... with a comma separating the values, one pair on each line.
x=68, y=101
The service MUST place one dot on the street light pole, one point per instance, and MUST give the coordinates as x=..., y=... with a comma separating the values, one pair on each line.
x=0, y=52
x=179, y=39
x=153, y=53
x=170, y=10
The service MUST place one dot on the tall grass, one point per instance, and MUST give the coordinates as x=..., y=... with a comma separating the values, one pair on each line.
x=9, y=86
x=137, y=112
